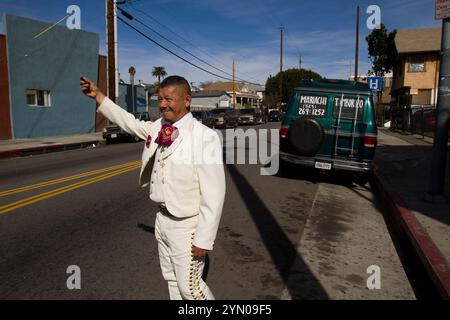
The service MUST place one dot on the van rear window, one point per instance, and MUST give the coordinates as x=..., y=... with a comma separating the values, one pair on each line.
x=348, y=106
x=310, y=105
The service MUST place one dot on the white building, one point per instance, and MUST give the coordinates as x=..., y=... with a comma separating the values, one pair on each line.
x=210, y=99
x=246, y=94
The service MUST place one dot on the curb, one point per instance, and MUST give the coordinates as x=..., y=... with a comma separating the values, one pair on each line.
x=46, y=149
x=429, y=254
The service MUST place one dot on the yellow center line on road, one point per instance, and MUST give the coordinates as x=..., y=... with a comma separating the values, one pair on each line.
x=55, y=192
x=60, y=180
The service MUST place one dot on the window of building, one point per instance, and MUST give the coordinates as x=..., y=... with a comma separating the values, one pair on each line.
x=38, y=98
x=417, y=63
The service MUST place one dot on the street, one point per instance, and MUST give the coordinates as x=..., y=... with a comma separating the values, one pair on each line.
x=304, y=235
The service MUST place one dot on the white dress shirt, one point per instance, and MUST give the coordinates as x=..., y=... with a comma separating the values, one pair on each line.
x=157, y=176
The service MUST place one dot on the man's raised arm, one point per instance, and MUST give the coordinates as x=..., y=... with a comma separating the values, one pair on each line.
x=113, y=112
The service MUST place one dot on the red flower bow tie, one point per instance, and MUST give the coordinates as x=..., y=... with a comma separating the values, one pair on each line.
x=167, y=135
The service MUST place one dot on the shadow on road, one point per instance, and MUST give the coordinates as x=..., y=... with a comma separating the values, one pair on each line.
x=146, y=228
x=282, y=251
x=297, y=172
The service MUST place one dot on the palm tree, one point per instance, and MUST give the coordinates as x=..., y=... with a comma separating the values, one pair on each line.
x=159, y=72
x=132, y=72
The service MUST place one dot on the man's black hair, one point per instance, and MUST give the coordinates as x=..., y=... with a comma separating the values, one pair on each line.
x=176, y=81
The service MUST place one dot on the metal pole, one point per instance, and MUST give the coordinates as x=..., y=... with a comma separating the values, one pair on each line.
x=281, y=67
x=132, y=94
x=357, y=43
x=423, y=123
x=438, y=163
x=234, y=90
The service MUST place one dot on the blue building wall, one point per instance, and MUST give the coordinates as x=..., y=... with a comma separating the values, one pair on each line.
x=126, y=97
x=53, y=62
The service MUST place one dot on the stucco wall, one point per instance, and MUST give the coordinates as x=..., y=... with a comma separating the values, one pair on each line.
x=422, y=80
x=208, y=101
x=53, y=62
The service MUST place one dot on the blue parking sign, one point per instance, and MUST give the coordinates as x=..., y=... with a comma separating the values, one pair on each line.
x=375, y=83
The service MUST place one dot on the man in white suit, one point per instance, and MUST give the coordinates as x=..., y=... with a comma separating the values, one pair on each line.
x=182, y=164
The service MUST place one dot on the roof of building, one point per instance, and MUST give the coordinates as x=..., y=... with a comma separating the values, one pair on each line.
x=255, y=87
x=418, y=40
x=209, y=93
x=225, y=86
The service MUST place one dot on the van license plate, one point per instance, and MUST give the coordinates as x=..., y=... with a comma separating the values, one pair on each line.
x=323, y=165
x=114, y=135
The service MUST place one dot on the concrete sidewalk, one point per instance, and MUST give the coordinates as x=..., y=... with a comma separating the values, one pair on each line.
x=402, y=174
x=31, y=146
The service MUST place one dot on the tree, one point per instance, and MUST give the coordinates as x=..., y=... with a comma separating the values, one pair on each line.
x=382, y=52
x=204, y=84
x=159, y=72
x=132, y=72
x=291, y=79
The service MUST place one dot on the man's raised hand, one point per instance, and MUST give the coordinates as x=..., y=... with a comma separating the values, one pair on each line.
x=91, y=90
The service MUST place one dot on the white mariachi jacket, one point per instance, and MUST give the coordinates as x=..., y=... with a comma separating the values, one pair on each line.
x=194, y=182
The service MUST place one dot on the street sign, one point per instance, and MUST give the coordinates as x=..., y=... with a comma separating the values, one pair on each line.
x=442, y=9
x=375, y=83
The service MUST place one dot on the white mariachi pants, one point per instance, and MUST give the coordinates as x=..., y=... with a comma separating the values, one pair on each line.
x=182, y=272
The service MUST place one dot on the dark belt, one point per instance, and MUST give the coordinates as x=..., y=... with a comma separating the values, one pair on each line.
x=165, y=212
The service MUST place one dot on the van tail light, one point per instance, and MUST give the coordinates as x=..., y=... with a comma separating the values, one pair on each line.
x=370, y=142
x=284, y=133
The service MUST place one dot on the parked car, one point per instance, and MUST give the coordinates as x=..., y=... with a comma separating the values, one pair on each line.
x=330, y=125
x=113, y=132
x=250, y=116
x=225, y=118
x=274, y=115
x=204, y=117
x=264, y=116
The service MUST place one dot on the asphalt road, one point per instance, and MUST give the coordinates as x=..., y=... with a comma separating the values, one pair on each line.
x=300, y=235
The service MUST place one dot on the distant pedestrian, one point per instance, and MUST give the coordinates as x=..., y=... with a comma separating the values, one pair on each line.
x=182, y=164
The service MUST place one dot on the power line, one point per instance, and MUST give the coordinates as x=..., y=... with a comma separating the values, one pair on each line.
x=296, y=47
x=131, y=4
x=173, y=43
x=171, y=52
x=168, y=50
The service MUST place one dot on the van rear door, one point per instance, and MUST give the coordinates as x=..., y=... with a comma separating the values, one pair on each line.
x=347, y=129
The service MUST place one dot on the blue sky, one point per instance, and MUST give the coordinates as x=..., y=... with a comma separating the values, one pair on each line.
x=217, y=31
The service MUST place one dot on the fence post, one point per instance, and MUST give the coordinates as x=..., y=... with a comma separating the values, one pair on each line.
x=423, y=124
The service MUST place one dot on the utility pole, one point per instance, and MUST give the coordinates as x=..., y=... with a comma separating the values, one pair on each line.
x=299, y=61
x=112, y=70
x=350, y=64
x=234, y=90
x=357, y=43
x=281, y=66
x=439, y=157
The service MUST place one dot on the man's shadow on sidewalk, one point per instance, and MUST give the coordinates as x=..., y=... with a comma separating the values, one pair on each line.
x=410, y=167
